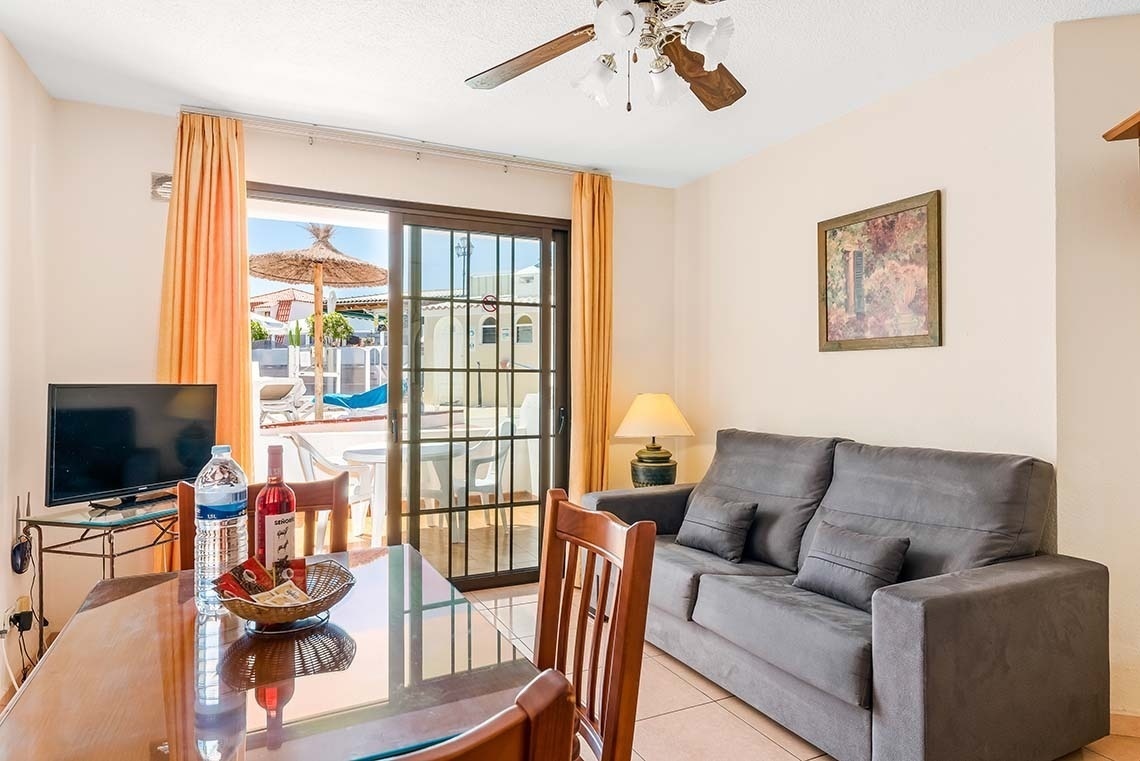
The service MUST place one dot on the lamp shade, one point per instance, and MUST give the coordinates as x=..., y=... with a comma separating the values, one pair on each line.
x=618, y=23
x=667, y=84
x=710, y=40
x=594, y=82
x=653, y=415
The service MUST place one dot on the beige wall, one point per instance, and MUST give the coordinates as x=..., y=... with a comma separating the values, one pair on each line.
x=1098, y=314
x=25, y=146
x=746, y=318
x=643, y=309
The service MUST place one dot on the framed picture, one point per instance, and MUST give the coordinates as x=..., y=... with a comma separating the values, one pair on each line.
x=880, y=277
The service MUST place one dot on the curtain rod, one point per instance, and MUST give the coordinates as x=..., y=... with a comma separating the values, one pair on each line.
x=395, y=142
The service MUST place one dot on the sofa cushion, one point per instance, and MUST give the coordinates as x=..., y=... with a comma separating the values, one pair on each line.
x=848, y=566
x=960, y=510
x=819, y=640
x=717, y=526
x=786, y=476
x=677, y=572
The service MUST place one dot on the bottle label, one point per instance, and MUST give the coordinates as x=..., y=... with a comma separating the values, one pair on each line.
x=280, y=536
x=221, y=512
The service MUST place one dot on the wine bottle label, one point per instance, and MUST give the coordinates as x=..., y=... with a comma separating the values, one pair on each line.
x=280, y=535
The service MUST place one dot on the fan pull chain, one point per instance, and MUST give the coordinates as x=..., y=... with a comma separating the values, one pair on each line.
x=628, y=83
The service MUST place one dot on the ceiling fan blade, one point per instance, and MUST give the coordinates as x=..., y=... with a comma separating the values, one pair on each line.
x=715, y=89
x=531, y=59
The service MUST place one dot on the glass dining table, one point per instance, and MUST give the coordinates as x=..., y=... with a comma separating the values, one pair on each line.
x=404, y=662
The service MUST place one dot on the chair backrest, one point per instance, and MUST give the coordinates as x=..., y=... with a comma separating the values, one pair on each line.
x=538, y=727
x=310, y=456
x=506, y=431
x=600, y=654
x=311, y=497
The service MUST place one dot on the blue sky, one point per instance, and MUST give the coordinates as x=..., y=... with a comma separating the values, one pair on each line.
x=371, y=245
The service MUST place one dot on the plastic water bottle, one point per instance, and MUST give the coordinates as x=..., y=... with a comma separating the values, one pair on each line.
x=220, y=496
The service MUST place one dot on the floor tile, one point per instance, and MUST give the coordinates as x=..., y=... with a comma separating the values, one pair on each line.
x=663, y=691
x=705, y=733
x=652, y=650
x=519, y=619
x=708, y=687
x=786, y=739
x=1118, y=748
x=522, y=594
x=1084, y=754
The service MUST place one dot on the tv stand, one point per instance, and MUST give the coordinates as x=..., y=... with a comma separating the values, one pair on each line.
x=134, y=500
x=95, y=530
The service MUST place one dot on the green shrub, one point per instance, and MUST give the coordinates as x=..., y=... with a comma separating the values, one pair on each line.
x=335, y=325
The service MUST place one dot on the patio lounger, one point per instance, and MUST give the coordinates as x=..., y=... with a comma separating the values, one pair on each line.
x=376, y=397
x=286, y=398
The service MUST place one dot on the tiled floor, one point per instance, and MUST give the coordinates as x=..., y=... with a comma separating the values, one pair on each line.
x=679, y=710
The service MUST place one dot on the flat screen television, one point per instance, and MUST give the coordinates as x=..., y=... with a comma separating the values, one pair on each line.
x=123, y=440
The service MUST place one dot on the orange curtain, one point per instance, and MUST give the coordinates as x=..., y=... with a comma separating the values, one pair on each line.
x=591, y=331
x=204, y=334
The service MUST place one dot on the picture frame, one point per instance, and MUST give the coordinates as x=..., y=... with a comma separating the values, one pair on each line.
x=880, y=277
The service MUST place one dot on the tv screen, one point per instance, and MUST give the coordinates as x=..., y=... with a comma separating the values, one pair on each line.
x=124, y=439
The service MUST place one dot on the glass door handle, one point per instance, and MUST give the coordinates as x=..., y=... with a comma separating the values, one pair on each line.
x=563, y=417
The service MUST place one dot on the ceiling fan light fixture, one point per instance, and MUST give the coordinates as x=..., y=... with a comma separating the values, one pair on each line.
x=597, y=78
x=712, y=41
x=618, y=24
x=667, y=85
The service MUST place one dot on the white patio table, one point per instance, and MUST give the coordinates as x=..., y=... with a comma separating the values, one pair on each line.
x=439, y=454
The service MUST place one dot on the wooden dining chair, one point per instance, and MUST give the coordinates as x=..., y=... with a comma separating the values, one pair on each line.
x=538, y=727
x=312, y=497
x=597, y=642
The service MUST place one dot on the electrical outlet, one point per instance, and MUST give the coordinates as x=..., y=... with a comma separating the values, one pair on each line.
x=23, y=604
x=22, y=620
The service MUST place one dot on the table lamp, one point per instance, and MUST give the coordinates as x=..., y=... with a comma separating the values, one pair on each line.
x=650, y=416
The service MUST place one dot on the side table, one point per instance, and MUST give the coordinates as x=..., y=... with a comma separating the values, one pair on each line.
x=98, y=528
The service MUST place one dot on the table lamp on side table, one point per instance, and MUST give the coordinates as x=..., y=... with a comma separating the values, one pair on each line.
x=650, y=416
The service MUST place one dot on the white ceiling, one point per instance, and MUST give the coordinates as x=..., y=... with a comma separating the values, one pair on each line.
x=398, y=67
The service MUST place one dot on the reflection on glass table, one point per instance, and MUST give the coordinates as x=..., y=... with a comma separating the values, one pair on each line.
x=405, y=662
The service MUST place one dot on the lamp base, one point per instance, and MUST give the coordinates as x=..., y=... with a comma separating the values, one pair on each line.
x=653, y=466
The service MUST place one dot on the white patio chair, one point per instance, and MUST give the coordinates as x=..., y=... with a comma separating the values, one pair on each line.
x=489, y=486
x=312, y=460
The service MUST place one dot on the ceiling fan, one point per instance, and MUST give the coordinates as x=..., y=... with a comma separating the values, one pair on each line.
x=681, y=53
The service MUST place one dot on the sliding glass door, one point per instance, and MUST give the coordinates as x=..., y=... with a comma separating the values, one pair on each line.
x=482, y=437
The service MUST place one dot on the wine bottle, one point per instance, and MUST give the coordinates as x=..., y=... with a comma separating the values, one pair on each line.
x=276, y=516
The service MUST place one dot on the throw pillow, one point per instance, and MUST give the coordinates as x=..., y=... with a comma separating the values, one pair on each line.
x=849, y=566
x=718, y=526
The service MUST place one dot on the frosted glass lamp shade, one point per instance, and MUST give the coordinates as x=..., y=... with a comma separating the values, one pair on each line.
x=597, y=78
x=653, y=415
x=667, y=84
x=710, y=40
x=617, y=24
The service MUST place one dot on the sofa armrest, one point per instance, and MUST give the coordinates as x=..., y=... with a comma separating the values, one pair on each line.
x=664, y=505
x=1009, y=661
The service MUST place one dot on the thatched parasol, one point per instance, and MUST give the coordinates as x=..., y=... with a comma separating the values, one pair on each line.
x=319, y=264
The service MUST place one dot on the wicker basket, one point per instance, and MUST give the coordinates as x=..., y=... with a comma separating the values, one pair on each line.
x=259, y=661
x=327, y=582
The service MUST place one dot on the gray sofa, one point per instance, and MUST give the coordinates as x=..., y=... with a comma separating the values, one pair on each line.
x=987, y=649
